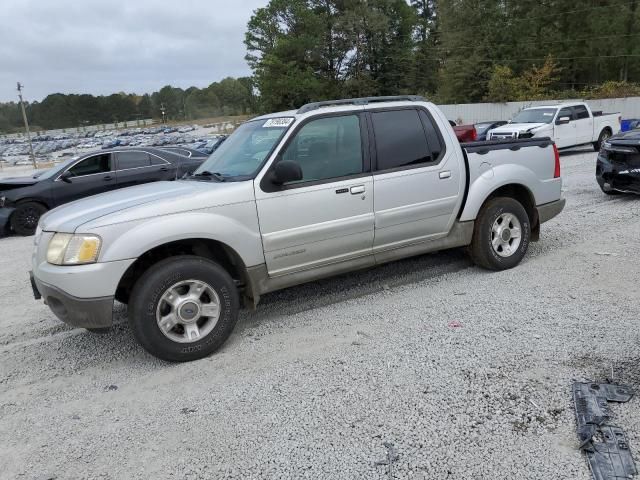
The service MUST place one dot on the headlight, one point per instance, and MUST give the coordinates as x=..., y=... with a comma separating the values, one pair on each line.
x=69, y=249
x=618, y=148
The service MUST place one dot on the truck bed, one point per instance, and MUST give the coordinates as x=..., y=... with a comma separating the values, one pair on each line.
x=530, y=160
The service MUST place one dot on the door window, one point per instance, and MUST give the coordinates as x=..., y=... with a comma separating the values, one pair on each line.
x=581, y=112
x=566, y=112
x=434, y=139
x=327, y=148
x=128, y=160
x=159, y=161
x=400, y=139
x=92, y=165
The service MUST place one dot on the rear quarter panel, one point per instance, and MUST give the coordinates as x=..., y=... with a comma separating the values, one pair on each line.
x=531, y=166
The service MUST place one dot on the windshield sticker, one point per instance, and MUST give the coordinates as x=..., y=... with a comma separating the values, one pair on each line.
x=547, y=114
x=278, y=122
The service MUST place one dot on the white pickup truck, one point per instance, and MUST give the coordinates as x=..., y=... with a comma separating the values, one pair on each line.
x=568, y=124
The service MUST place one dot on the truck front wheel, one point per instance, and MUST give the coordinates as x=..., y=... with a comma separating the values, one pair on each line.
x=183, y=308
x=501, y=234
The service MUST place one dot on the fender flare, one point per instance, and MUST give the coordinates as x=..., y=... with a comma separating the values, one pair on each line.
x=493, y=179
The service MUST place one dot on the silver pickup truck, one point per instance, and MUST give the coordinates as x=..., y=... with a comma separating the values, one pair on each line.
x=289, y=198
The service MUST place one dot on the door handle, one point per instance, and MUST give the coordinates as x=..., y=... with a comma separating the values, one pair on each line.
x=108, y=178
x=164, y=169
x=445, y=174
x=357, y=189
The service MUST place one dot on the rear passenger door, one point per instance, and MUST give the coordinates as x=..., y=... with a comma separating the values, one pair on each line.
x=138, y=167
x=416, y=179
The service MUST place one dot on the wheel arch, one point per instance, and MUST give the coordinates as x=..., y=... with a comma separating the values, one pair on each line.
x=523, y=195
x=215, y=250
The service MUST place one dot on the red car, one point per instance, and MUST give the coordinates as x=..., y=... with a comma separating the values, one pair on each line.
x=464, y=133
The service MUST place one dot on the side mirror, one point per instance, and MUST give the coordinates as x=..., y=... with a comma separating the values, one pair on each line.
x=563, y=120
x=286, y=171
x=66, y=176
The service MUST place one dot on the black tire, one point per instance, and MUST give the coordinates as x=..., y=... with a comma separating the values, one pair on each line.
x=155, y=282
x=24, y=220
x=604, y=135
x=481, y=249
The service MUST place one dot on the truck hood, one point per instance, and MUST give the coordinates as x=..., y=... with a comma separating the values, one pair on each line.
x=518, y=127
x=145, y=201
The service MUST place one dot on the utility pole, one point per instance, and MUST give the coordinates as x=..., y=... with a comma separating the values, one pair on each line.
x=162, y=110
x=26, y=125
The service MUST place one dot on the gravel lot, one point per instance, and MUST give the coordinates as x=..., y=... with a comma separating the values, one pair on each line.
x=322, y=376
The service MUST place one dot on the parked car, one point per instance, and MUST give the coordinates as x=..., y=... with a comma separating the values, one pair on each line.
x=24, y=199
x=629, y=124
x=464, y=133
x=483, y=128
x=286, y=199
x=618, y=164
x=568, y=124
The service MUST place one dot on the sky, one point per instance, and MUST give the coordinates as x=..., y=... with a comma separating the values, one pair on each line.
x=108, y=46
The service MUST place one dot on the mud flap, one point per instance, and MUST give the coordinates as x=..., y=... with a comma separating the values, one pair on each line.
x=605, y=445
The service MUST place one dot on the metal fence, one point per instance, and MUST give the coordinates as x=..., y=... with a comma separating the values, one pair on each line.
x=480, y=112
x=139, y=122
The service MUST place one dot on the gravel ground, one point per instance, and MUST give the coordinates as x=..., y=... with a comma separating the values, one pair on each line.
x=449, y=370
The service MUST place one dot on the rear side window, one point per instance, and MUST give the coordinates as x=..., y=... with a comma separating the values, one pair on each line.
x=92, y=165
x=132, y=160
x=159, y=161
x=434, y=140
x=581, y=112
x=400, y=139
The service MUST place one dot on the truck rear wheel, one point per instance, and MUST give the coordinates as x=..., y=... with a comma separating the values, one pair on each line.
x=183, y=308
x=501, y=234
x=604, y=136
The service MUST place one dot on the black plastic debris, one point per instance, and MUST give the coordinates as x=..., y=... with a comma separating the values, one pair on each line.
x=604, y=444
x=391, y=458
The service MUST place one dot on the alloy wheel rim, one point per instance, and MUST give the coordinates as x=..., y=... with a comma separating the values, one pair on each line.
x=506, y=235
x=188, y=311
x=29, y=217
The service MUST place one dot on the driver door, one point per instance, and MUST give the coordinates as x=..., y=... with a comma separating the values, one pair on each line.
x=565, y=134
x=327, y=217
x=89, y=176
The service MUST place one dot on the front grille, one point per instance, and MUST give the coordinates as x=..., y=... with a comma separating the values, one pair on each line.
x=504, y=136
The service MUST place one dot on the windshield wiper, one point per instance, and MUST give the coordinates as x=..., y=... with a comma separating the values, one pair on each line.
x=207, y=174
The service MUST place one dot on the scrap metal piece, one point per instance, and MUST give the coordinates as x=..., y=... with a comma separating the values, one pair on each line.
x=605, y=445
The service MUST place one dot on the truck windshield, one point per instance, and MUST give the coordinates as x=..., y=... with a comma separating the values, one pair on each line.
x=241, y=155
x=535, y=115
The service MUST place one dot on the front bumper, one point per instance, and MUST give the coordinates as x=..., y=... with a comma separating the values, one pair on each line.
x=77, y=312
x=618, y=177
x=5, y=215
x=549, y=210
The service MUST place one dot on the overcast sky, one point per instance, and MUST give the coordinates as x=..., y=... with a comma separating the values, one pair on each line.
x=107, y=46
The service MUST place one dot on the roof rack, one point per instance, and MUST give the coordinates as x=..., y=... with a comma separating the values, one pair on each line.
x=359, y=101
